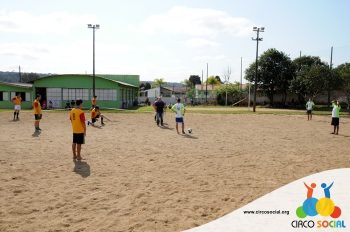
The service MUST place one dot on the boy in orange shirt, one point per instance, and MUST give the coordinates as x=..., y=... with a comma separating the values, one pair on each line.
x=17, y=101
x=95, y=114
x=93, y=102
x=77, y=118
x=37, y=112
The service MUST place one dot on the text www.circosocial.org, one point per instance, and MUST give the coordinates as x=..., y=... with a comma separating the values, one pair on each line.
x=263, y=212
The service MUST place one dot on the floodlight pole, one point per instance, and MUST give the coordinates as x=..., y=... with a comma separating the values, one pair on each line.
x=257, y=39
x=93, y=27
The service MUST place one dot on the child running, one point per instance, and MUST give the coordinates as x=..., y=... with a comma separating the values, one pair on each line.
x=17, y=101
x=179, y=109
x=335, y=116
x=77, y=118
x=95, y=114
x=37, y=112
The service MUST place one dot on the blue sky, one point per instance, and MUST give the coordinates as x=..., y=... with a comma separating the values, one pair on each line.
x=166, y=39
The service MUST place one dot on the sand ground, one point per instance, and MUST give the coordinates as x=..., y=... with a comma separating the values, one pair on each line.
x=137, y=177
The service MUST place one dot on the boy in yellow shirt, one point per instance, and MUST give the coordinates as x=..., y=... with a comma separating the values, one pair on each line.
x=37, y=112
x=17, y=101
x=77, y=118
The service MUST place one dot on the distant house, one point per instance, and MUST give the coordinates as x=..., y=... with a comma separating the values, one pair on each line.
x=168, y=95
x=9, y=90
x=205, y=92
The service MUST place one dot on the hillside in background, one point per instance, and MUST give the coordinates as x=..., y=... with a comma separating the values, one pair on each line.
x=14, y=76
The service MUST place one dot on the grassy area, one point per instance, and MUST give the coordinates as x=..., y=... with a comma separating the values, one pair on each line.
x=207, y=110
x=232, y=110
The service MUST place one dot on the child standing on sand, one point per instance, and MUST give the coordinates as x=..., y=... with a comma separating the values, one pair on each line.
x=335, y=116
x=179, y=109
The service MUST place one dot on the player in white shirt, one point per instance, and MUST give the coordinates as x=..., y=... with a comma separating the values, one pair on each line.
x=309, y=107
x=179, y=109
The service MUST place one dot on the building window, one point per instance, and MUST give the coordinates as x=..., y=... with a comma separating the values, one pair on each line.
x=105, y=94
x=73, y=94
x=54, y=95
x=27, y=96
x=13, y=94
x=22, y=95
x=5, y=96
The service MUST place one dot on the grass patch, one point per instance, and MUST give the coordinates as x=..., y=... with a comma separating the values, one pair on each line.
x=206, y=110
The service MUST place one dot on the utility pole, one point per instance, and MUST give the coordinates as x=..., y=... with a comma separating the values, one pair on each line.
x=19, y=73
x=241, y=75
x=206, y=87
x=257, y=39
x=202, y=88
x=93, y=27
x=331, y=77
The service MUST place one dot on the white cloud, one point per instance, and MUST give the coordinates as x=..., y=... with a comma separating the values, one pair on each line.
x=55, y=22
x=197, y=22
x=209, y=58
x=23, y=50
x=200, y=42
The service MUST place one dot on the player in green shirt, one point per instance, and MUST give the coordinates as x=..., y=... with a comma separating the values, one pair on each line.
x=335, y=116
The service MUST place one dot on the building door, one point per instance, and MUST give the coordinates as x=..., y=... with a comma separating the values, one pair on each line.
x=42, y=92
x=54, y=97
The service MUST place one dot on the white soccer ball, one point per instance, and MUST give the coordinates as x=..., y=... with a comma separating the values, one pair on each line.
x=189, y=130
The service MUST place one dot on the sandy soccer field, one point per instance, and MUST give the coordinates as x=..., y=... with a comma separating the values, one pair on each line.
x=137, y=177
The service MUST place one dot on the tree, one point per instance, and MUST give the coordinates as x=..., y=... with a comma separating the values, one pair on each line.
x=212, y=81
x=275, y=72
x=333, y=82
x=195, y=80
x=142, y=86
x=302, y=65
x=29, y=77
x=343, y=71
x=312, y=77
x=234, y=92
x=218, y=79
x=147, y=86
x=315, y=79
x=158, y=82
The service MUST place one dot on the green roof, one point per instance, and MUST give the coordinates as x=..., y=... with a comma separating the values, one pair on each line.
x=126, y=80
x=22, y=85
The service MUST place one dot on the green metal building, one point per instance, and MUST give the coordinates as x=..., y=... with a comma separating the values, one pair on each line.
x=9, y=90
x=112, y=91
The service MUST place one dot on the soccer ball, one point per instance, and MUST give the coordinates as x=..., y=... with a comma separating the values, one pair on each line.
x=189, y=130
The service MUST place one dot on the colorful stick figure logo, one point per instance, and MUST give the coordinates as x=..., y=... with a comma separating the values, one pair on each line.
x=323, y=206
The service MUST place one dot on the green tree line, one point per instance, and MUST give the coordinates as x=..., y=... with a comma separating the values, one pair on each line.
x=305, y=76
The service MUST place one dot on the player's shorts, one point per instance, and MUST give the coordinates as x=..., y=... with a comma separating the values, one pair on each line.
x=78, y=138
x=93, y=120
x=17, y=107
x=179, y=120
x=37, y=117
x=335, y=122
x=309, y=111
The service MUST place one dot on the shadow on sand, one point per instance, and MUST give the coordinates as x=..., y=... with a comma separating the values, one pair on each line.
x=189, y=136
x=36, y=134
x=166, y=127
x=82, y=168
x=346, y=136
